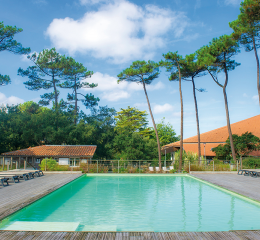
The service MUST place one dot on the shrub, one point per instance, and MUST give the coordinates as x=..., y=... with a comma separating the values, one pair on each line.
x=93, y=168
x=63, y=168
x=173, y=171
x=49, y=163
x=83, y=167
x=251, y=162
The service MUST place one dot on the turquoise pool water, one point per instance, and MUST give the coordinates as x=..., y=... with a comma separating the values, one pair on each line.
x=138, y=203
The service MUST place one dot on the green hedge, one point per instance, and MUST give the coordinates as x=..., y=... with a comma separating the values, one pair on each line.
x=251, y=162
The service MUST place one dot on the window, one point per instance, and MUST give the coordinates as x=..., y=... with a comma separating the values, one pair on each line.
x=38, y=160
x=63, y=161
x=74, y=162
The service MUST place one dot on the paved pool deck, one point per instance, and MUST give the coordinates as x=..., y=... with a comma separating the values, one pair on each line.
x=245, y=185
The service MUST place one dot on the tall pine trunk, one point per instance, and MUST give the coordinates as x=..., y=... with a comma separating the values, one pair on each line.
x=257, y=64
x=227, y=114
x=55, y=93
x=155, y=129
x=76, y=103
x=181, y=140
x=197, y=118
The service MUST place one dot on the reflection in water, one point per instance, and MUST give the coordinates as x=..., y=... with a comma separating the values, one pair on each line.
x=200, y=207
x=183, y=205
x=232, y=213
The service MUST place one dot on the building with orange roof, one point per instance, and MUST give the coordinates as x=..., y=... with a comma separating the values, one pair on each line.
x=71, y=155
x=216, y=137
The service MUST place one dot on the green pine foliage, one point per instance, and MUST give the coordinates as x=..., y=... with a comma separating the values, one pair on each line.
x=45, y=74
x=7, y=43
x=74, y=75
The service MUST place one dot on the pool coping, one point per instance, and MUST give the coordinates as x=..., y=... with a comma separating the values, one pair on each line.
x=137, y=174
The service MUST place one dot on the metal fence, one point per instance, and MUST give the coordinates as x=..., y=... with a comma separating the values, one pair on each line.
x=148, y=166
x=140, y=166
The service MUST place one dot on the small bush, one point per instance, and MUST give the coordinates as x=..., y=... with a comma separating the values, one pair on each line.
x=49, y=163
x=251, y=162
x=63, y=168
x=173, y=171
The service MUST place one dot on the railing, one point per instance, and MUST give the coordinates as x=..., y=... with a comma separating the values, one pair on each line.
x=120, y=166
x=145, y=166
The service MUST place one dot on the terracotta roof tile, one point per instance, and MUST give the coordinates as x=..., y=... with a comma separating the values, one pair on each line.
x=217, y=136
x=56, y=151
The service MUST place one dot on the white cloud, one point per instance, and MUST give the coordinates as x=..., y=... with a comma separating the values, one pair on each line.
x=197, y=4
x=10, y=100
x=120, y=31
x=86, y=2
x=24, y=58
x=106, y=82
x=177, y=114
x=112, y=91
x=143, y=104
x=256, y=99
x=245, y=95
x=115, y=95
x=162, y=108
x=232, y=2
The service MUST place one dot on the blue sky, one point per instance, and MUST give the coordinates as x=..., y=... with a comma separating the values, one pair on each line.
x=108, y=35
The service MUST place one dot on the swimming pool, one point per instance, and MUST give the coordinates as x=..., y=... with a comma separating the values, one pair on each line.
x=160, y=203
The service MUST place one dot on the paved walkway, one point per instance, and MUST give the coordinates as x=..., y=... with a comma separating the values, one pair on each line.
x=245, y=185
x=19, y=195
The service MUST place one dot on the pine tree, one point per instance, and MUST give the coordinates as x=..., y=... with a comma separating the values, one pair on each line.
x=74, y=74
x=216, y=57
x=144, y=73
x=46, y=74
x=247, y=30
x=7, y=43
x=173, y=63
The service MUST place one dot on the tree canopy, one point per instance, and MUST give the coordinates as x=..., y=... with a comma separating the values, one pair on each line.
x=132, y=120
x=244, y=144
x=45, y=74
x=7, y=43
x=74, y=75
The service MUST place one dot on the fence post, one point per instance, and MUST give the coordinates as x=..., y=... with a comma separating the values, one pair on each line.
x=189, y=166
x=237, y=165
x=230, y=165
x=118, y=166
x=16, y=165
x=8, y=166
x=97, y=166
x=139, y=166
x=213, y=165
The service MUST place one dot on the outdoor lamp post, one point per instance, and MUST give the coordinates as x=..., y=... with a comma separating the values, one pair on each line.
x=165, y=157
x=204, y=150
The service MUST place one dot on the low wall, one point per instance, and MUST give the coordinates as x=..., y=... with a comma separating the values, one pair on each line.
x=70, y=172
x=213, y=172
